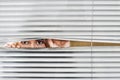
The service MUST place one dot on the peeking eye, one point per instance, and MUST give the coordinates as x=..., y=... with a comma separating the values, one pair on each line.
x=25, y=42
x=39, y=42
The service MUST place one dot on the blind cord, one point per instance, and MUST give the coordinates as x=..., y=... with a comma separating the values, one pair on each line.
x=92, y=7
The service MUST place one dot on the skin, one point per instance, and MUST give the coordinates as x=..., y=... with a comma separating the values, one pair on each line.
x=58, y=43
x=27, y=44
x=43, y=43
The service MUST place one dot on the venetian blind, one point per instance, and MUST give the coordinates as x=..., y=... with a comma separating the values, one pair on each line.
x=88, y=20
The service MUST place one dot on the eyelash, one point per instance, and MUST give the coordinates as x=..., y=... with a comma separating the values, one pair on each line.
x=25, y=42
x=39, y=42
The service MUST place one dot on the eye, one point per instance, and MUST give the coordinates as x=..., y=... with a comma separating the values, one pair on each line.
x=25, y=42
x=39, y=42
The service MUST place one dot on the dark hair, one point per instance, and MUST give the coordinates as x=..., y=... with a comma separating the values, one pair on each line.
x=46, y=43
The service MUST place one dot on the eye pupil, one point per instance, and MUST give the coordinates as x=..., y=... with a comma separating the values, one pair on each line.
x=25, y=42
x=39, y=42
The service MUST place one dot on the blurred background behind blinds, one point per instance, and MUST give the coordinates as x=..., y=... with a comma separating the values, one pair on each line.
x=89, y=20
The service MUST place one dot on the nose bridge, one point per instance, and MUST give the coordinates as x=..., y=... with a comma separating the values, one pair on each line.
x=33, y=43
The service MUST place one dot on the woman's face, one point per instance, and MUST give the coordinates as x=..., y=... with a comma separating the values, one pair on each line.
x=41, y=43
x=29, y=44
x=32, y=44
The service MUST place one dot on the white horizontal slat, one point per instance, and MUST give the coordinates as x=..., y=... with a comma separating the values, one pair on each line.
x=107, y=75
x=115, y=55
x=49, y=17
x=46, y=65
x=48, y=54
x=47, y=75
x=47, y=70
x=47, y=60
x=46, y=23
x=44, y=2
x=106, y=2
x=43, y=8
x=46, y=33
